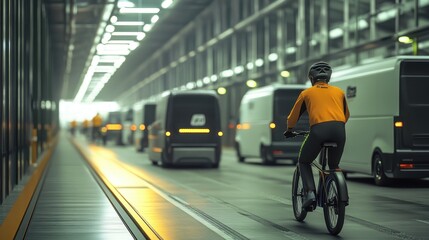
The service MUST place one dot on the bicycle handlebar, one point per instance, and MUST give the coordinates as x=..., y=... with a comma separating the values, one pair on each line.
x=295, y=133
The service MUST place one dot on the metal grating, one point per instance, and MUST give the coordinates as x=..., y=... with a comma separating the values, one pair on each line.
x=71, y=205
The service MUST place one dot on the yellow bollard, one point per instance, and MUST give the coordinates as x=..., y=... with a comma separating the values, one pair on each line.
x=34, y=146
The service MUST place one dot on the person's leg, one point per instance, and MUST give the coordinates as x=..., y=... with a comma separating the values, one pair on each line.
x=94, y=129
x=339, y=136
x=309, y=151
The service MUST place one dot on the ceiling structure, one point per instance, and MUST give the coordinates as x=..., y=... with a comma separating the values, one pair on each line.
x=77, y=27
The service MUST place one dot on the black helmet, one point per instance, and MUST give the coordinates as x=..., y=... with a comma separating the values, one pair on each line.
x=320, y=71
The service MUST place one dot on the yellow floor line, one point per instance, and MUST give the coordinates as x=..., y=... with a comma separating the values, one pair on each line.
x=113, y=175
x=11, y=223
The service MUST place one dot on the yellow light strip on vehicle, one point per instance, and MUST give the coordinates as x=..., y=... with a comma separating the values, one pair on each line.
x=194, y=130
x=114, y=127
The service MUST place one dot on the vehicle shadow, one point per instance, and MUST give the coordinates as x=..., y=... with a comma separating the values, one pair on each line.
x=395, y=183
x=278, y=163
x=188, y=166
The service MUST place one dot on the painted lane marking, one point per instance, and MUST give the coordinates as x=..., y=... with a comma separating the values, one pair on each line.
x=422, y=221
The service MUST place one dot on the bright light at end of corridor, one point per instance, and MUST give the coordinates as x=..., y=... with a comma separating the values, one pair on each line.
x=70, y=110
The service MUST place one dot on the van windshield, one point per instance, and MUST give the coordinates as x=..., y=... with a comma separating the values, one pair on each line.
x=417, y=90
x=114, y=117
x=414, y=103
x=284, y=99
x=193, y=112
x=149, y=114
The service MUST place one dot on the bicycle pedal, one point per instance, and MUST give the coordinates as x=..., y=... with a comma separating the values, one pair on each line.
x=309, y=208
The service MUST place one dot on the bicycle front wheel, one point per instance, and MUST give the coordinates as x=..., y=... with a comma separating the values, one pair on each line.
x=334, y=209
x=297, y=194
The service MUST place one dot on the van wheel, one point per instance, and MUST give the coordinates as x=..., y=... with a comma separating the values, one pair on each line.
x=380, y=177
x=164, y=161
x=237, y=149
x=215, y=165
x=267, y=159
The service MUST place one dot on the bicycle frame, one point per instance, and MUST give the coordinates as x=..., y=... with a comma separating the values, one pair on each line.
x=331, y=194
x=324, y=173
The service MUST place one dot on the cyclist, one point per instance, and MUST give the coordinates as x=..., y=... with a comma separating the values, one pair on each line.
x=328, y=112
x=97, y=122
x=73, y=126
x=85, y=127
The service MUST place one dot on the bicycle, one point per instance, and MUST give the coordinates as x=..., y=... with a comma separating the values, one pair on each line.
x=331, y=193
x=99, y=135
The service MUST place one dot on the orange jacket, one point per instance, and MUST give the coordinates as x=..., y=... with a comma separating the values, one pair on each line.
x=97, y=121
x=323, y=102
x=73, y=124
x=85, y=123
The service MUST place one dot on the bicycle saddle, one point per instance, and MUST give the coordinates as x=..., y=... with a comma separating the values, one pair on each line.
x=329, y=144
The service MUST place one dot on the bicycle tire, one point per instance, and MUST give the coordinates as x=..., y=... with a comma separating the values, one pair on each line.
x=334, y=209
x=297, y=193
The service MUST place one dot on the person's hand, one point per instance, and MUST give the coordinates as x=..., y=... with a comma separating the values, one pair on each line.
x=289, y=134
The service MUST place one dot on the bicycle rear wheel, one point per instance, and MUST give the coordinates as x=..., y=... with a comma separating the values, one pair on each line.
x=334, y=209
x=297, y=194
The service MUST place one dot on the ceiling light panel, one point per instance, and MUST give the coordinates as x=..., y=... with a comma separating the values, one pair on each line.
x=123, y=33
x=129, y=23
x=139, y=10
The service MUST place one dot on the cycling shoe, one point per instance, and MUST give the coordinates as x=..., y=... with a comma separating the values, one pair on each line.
x=309, y=200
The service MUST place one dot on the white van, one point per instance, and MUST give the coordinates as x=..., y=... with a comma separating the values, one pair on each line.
x=262, y=121
x=143, y=117
x=387, y=134
x=127, y=127
x=186, y=129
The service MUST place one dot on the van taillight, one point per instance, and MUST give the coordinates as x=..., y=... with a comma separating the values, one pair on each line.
x=272, y=125
x=406, y=165
x=277, y=152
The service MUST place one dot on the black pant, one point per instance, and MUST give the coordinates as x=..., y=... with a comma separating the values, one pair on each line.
x=320, y=133
x=96, y=133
